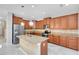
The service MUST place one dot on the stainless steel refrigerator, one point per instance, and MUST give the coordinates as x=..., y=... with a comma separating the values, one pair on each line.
x=17, y=30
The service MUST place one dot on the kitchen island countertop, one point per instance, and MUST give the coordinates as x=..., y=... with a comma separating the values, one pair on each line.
x=33, y=44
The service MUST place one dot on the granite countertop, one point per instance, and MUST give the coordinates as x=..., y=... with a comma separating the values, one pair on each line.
x=32, y=38
x=65, y=34
x=74, y=33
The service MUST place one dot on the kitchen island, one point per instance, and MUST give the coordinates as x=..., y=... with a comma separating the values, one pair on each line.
x=33, y=44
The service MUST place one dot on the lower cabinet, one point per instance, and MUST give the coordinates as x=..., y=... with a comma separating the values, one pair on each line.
x=63, y=41
x=53, y=39
x=66, y=41
x=78, y=43
x=50, y=39
x=56, y=39
x=73, y=43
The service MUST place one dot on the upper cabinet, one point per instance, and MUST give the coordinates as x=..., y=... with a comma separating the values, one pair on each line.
x=69, y=22
x=16, y=20
x=64, y=22
x=73, y=21
x=52, y=23
x=39, y=24
x=57, y=22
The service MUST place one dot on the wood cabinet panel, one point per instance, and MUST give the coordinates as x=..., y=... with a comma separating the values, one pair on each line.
x=50, y=38
x=41, y=24
x=26, y=24
x=44, y=21
x=37, y=25
x=54, y=39
x=16, y=20
x=57, y=23
x=72, y=21
x=78, y=21
x=63, y=41
x=78, y=43
x=72, y=42
x=52, y=23
x=64, y=22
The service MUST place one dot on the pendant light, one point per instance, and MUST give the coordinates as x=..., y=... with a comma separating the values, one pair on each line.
x=31, y=23
x=22, y=23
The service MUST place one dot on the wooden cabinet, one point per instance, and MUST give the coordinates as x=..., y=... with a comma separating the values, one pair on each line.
x=57, y=22
x=26, y=24
x=37, y=25
x=54, y=39
x=78, y=43
x=52, y=23
x=64, y=22
x=72, y=43
x=73, y=21
x=16, y=20
x=66, y=41
x=63, y=41
x=41, y=24
x=78, y=21
x=50, y=38
x=44, y=21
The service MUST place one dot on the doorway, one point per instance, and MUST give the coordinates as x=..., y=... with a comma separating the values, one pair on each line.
x=2, y=31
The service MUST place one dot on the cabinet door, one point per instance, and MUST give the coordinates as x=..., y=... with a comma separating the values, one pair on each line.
x=57, y=23
x=50, y=38
x=37, y=25
x=52, y=23
x=72, y=21
x=63, y=41
x=56, y=39
x=44, y=21
x=64, y=22
x=16, y=20
x=41, y=24
x=78, y=21
x=72, y=42
x=26, y=24
x=78, y=43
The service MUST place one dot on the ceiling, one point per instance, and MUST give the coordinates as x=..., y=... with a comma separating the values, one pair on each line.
x=38, y=11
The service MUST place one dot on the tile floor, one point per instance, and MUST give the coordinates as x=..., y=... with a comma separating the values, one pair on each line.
x=59, y=50
x=52, y=50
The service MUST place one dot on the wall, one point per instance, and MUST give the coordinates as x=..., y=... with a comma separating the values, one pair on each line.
x=9, y=29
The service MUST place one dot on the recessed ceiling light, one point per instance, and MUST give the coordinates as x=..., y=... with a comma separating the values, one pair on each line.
x=22, y=6
x=33, y=6
x=62, y=5
x=66, y=4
